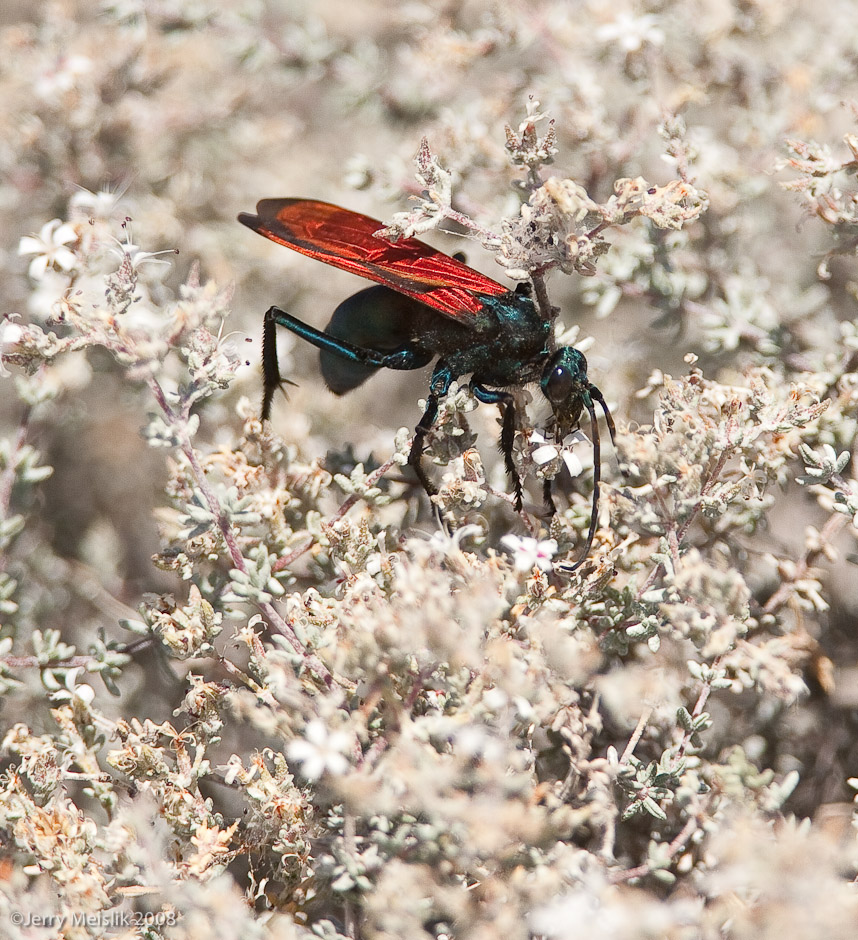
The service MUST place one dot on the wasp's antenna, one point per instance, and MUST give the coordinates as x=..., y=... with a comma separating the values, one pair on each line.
x=600, y=398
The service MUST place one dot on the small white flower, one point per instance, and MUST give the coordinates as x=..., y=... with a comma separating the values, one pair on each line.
x=358, y=172
x=523, y=708
x=133, y=255
x=445, y=543
x=545, y=451
x=474, y=742
x=69, y=691
x=495, y=699
x=528, y=553
x=321, y=751
x=55, y=82
x=49, y=248
x=10, y=335
x=232, y=769
x=632, y=32
x=437, y=699
x=571, y=336
x=100, y=205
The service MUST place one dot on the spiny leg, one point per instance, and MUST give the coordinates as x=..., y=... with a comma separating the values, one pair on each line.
x=506, y=402
x=407, y=357
x=271, y=379
x=415, y=456
x=438, y=387
x=547, y=498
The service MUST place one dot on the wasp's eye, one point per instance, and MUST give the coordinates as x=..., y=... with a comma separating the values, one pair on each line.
x=559, y=385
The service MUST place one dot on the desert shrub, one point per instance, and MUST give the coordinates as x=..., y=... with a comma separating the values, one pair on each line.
x=253, y=683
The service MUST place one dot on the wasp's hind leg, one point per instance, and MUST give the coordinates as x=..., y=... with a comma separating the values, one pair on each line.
x=408, y=356
x=271, y=378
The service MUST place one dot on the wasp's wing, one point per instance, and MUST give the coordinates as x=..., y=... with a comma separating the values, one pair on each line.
x=346, y=240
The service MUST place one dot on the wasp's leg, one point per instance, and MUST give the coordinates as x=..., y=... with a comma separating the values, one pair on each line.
x=438, y=387
x=507, y=405
x=408, y=357
x=548, y=498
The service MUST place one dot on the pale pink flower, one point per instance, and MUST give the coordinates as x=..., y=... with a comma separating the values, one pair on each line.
x=528, y=553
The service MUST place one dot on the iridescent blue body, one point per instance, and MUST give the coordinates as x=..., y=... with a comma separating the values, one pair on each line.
x=427, y=306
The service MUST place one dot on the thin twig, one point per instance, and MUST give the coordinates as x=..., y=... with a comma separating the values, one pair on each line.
x=834, y=524
x=285, y=560
x=675, y=847
x=636, y=735
x=7, y=478
x=275, y=620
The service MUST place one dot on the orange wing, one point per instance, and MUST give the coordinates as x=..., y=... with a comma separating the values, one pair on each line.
x=346, y=240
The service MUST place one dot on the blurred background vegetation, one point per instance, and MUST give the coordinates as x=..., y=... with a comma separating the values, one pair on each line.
x=396, y=731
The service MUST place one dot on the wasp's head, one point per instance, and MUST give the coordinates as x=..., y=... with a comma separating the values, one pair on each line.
x=565, y=384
